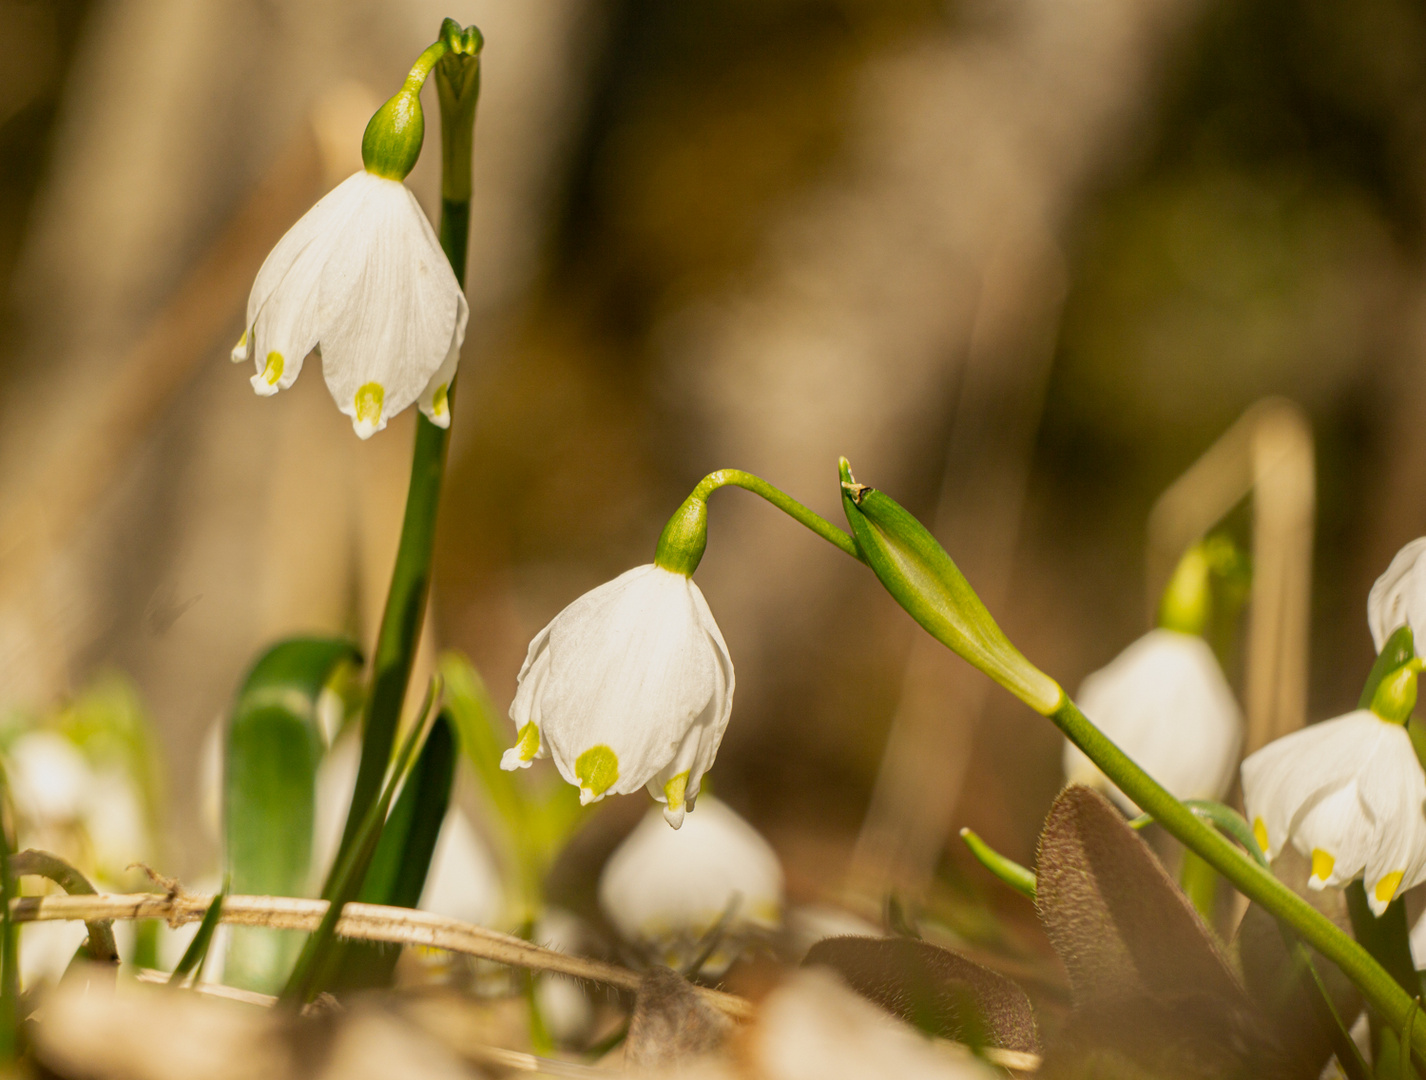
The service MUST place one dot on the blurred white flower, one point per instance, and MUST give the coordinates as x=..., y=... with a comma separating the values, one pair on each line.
x=1165, y=703
x=813, y=1027
x=631, y=685
x=564, y=1006
x=1348, y=793
x=49, y=778
x=667, y=889
x=360, y=278
x=1398, y=598
x=93, y=817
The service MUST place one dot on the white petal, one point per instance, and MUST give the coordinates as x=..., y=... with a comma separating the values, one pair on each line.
x=1285, y=778
x=389, y=306
x=435, y=398
x=1398, y=598
x=1165, y=703
x=1336, y=835
x=631, y=669
x=1394, y=790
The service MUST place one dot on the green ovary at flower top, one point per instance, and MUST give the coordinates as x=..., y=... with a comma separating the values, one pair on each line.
x=1164, y=700
x=361, y=279
x=631, y=685
x=1348, y=794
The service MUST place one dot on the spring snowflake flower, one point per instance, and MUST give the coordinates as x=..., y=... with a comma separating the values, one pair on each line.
x=362, y=280
x=666, y=890
x=1347, y=793
x=631, y=685
x=1165, y=703
x=1398, y=598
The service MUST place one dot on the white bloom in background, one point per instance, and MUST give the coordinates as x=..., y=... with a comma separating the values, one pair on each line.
x=1398, y=598
x=1165, y=703
x=362, y=279
x=814, y=1027
x=1348, y=794
x=631, y=685
x=565, y=1007
x=49, y=778
x=668, y=889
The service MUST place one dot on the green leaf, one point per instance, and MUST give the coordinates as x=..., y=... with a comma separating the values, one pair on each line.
x=484, y=734
x=197, y=951
x=922, y=578
x=399, y=868
x=318, y=963
x=274, y=745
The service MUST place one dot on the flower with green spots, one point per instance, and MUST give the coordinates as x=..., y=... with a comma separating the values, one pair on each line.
x=360, y=280
x=1348, y=794
x=630, y=686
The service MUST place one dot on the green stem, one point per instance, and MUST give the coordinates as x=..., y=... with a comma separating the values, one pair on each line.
x=406, y=599
x=1259, y=885
x=784, y=502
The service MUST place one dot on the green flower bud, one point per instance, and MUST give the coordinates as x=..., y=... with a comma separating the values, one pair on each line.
x=922, y=578
x=392, y=142
x=1188, y=599
x=684, y=538
x=1395, y=695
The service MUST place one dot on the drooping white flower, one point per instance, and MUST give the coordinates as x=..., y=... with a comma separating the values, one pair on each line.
x=631, y=685
x=362, y=280
x=667, y=889
x=1348, y=794
x=1165, y=703
x=1398, y=598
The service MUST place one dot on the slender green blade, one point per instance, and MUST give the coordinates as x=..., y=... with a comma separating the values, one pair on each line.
x=1019, y=878
x=197, y=951
x=484, y=734
x=317, y=964
x=402, y=861
x=274, y=746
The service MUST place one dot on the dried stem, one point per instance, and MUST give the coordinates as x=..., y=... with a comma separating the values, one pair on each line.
x=364, y=922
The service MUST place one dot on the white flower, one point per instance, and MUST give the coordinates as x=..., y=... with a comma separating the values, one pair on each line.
x=1398, y=598
x=360, y=278
x=668, y=889
x=814, y=1027
x=631, y=685
x=1348, y=793
x=1165, y=703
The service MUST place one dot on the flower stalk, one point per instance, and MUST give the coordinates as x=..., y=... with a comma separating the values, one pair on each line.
x=455, y=59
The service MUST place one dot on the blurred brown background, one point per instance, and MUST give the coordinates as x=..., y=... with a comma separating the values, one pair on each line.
x=1021, y=260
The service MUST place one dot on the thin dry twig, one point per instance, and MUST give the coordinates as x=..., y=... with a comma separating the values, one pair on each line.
x=363, y=922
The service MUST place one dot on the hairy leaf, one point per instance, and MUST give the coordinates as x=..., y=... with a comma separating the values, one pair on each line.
x=934, y=989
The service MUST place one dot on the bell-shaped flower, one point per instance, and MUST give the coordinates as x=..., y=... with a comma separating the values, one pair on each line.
x=1398, y=598
x=362, y=280
x=629, y=686
x=1348, y=794
x=666, y=890
x=1165, y=703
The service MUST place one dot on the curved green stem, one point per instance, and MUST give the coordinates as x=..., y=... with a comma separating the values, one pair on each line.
x=784, y=502
x=1254, y=882
x=405, y=610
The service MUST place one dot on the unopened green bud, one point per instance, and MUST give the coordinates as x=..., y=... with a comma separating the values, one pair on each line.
x=922, y=578
x=1395, y=695
x=684, y=538
x=392, y=142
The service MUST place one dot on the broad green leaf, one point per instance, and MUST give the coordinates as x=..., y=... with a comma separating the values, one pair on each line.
x=399, y=868
x=274, y=745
